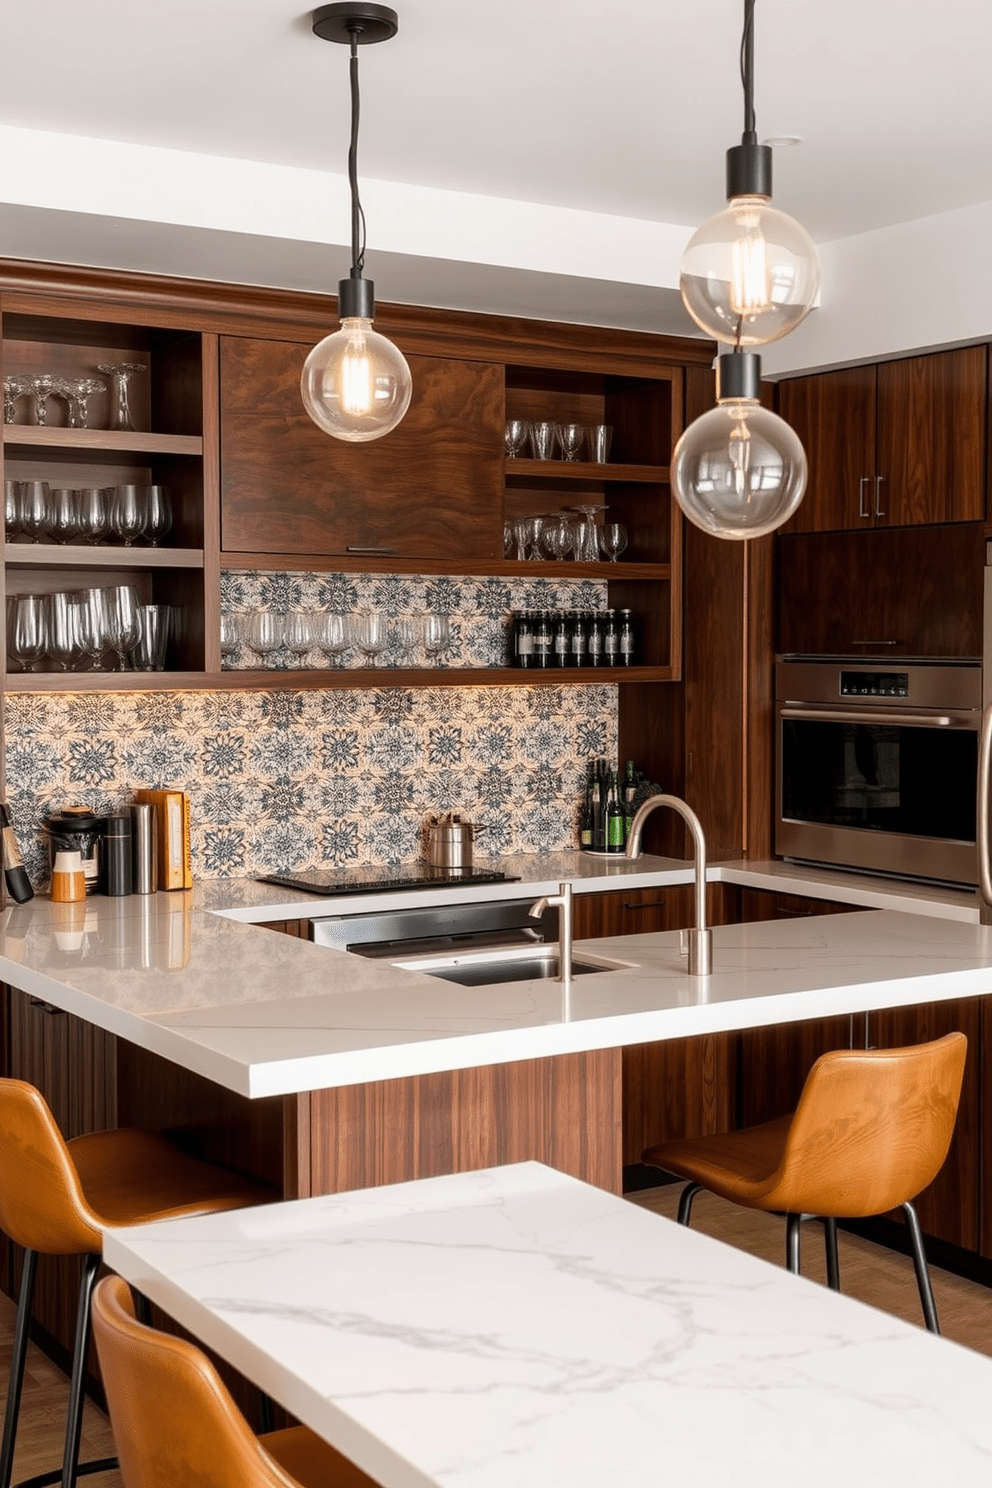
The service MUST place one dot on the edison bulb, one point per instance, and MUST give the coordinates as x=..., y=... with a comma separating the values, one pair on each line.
x=750, y=274
x=739, y=471
x=356, y=384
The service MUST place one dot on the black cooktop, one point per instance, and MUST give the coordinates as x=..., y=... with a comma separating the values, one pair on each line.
x=369, y=880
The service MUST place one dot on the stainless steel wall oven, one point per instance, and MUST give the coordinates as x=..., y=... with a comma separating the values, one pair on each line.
x=876, y=765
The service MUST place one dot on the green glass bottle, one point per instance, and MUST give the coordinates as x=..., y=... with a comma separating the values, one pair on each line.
x=614, y=817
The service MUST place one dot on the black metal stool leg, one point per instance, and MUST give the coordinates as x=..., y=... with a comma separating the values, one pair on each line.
x=685, y=1201
x=18, y=1357
x=922, y=1269
x=793, y=1228
x=830, y=1246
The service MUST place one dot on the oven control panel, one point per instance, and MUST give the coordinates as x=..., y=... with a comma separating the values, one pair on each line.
x=874, y=684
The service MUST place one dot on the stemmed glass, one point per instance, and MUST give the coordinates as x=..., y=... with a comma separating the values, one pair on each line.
x=230, y=638
x=437, y=636
x=64, y=520
x=404, y=641
x=332, y=637
x=13, y=388
x=11, y=509
x=299, y=640
x=64, y=631
x=94, y=513
x=558, y=537
x=29, y=632
x=587, y=541
x=32, y=500
x=92, y=607
x=158, y=514
x=571, y=437
x=42, y=387
x=515, y=436
x=127, y=512
x=613, y=539
x=371, y=636
x=121, y=374
x=82, y=389
x=121, y=618
x=265, y=633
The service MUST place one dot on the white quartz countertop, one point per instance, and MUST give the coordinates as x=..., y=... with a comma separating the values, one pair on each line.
x=516, y=1326
x=266, y=1014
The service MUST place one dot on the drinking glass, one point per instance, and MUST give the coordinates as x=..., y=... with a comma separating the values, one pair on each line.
x=437, y=636
x=571, y=438
x=265, y=632
x=29, y=631
x=332, y=637
x=121, y=621
x=11, y=509
x=64, y=520
x=158, y=514
x=120, y=374
x=94, y=513
x=127, y=512
x=299, y=635
x=64, y=641
x=91, y=604
x=13, y=388
x=599, y=437
x=83, y=389
x=230, y=638
x=154, y=623
x=33, y=504
x=542, y=440
x=558, y=537
x=371, y=636
x=613, y=539
x=515, y=436
x=41, y=387
x=404, y=640
x=587, y=541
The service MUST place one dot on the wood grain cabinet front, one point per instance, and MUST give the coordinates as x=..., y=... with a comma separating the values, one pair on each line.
x=893, y=445
x=432, y=490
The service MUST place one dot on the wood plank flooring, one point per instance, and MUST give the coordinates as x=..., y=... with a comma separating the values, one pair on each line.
x=868, y=1272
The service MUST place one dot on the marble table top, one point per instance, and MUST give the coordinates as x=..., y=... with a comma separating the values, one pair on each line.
x=515, y=1328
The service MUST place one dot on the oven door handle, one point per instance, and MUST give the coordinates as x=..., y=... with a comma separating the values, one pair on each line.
x=866, y=715
x=982, y=825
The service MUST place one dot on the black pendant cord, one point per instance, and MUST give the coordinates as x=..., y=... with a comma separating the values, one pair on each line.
x=747, y=70
x=357, y=215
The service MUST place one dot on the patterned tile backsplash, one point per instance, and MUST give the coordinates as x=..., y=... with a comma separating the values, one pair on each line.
x=299, y=779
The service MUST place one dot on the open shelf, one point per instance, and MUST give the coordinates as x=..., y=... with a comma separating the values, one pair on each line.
x=30, y=437
x=464, y=568
x=72, y=555
x=349, y=677
x=582, y=470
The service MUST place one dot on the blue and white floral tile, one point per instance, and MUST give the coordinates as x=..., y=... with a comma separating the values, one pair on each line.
x=295, y=780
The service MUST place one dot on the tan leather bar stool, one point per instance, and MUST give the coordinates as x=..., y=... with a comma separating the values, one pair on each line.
x=871, y=1130
x=56, y=1197
x=174, y=1422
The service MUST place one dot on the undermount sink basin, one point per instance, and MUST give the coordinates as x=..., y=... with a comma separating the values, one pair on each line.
x=485, y=966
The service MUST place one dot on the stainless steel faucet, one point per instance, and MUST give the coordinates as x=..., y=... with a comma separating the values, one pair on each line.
x=700, y=940
x=562, y=901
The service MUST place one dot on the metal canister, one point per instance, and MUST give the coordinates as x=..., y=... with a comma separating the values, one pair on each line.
x=77, y=829
x=144, y=842
x=117, y=878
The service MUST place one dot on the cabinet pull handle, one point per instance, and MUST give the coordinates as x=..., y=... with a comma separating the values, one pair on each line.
x=862, y=509
x=46, y=1007
x=384, y=551
x=874, y=643
x=878, y=496
x=647, y=904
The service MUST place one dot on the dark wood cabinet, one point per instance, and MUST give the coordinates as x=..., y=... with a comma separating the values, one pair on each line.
x=898, y=444
x=432, y=490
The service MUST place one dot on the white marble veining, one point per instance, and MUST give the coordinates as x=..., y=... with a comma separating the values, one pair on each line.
x=266, y=1014
x=517, y=1327
x=939, y=900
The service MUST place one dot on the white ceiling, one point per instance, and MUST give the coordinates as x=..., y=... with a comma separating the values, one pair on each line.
x=617, y=109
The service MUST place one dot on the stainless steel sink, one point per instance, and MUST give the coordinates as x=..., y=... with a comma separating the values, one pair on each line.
x=487, y=965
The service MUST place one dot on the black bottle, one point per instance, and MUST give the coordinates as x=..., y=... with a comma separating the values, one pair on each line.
x=562, y=639
x=611, y=639
x=594, y=641
x=587, y=814
x=614, y=817
x=117, y=866
x=626, y=654
x=627, y=793
x=543, y=639
x=14, y=873
x=523, y=640
x=580, y=638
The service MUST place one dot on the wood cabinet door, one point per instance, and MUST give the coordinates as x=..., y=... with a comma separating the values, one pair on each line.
x=834, y=415
x=431, y=489
x=949, y=1209
x=931, y=438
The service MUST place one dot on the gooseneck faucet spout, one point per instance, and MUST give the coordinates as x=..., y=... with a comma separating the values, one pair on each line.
x=700, y=940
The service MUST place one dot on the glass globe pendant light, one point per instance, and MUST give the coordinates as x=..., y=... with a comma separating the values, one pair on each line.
x=356, y=384
x=750, y=274
x=739, y=471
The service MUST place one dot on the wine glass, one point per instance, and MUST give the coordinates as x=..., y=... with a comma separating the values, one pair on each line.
x=120, y=374
x=13, y=388
x=437, y=636
x=571, y=438
x=92, y=607
x=230, y=639
x=587, y=539
x=94, y=513
x=613, y=539
x=11, y=509
x=64, y=642
x=121, y=619
x=404, y=640
x=29, y=631
x=558, y=537
x=33, y=505
x=83, y=389
x=41, y=387
x=515, y=436
x=371, y=636
x=158, y=514
x=298, y=637
x=64, y=521
x=127, y=512
x=265, y=632
x=332, y=637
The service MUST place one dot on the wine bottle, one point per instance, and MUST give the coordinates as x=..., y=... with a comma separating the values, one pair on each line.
x=18, y=884
x=627, y=794
x=614, y=817
x=587, y=814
